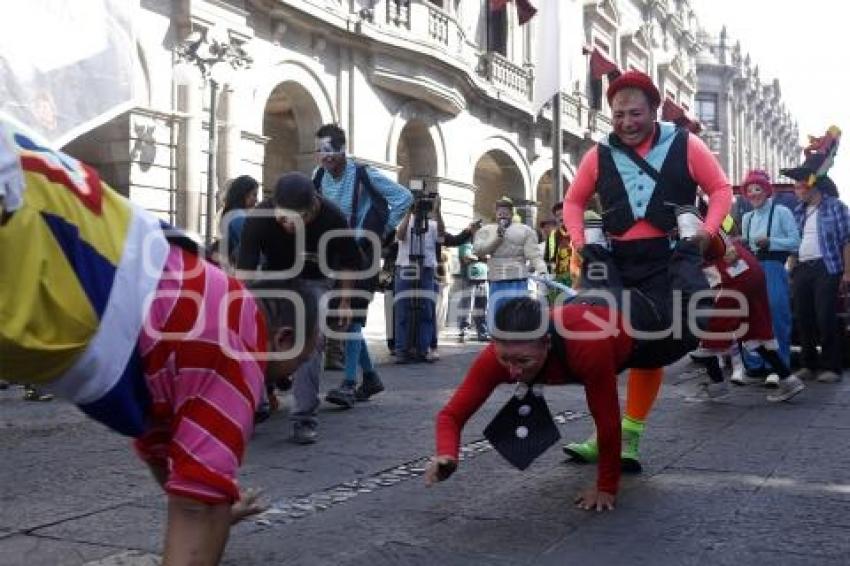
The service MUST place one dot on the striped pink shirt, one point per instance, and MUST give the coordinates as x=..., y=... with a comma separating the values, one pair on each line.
x=197, y=348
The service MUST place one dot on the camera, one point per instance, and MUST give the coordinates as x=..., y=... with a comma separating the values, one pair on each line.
x=423, y=204
x=423, y=201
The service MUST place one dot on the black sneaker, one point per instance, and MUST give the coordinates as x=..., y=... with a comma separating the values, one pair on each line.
x=304, y=433
x=342, y=395
x=371, y=385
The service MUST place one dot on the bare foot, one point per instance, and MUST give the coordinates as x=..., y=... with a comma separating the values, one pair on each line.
x=247, y=505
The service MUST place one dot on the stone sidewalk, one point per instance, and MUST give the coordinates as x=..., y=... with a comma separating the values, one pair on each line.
x=740, y=482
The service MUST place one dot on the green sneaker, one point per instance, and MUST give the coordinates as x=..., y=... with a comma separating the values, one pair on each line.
x=584, y=452
x=630, y=457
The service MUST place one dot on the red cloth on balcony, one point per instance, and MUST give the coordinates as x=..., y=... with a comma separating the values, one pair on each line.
x=524, y=10
x=601, y=65
x=671, y=111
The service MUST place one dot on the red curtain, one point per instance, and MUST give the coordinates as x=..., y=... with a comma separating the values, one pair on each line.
x=601, y=65
x=524, y=10
x=671, y=111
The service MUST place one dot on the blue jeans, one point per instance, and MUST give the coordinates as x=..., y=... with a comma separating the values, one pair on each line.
x=356, y=354
x=413, y=309
x=501, y=291
x=779, y=298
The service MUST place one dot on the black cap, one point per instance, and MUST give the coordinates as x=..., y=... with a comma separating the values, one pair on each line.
x=294, y=191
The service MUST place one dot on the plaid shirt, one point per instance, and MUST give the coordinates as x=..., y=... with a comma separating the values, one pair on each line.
x=833, y=230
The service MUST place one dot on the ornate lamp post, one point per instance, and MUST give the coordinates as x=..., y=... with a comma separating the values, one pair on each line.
x=207, y=51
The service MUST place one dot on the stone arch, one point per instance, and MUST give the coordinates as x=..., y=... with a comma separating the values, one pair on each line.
x=296, y=72
x=294, y=104
x=499, y=169
x=416, y=111
x=541, y=176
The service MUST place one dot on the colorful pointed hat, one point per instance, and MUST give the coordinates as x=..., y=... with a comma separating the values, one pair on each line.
x=820, y=155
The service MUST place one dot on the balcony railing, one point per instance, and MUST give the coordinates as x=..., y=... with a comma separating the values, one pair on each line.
x=571, y=108
x=398, y=13
x=598, y=122
x=507, y=75
x=438, y=25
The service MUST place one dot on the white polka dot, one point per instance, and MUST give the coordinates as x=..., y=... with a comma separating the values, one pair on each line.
x=524, y=410
x=521, y=432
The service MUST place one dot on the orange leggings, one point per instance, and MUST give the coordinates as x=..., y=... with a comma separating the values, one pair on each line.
x=641, y=392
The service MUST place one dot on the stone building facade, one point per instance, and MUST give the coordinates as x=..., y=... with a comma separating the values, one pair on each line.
x=434, y=90
x=745, y=122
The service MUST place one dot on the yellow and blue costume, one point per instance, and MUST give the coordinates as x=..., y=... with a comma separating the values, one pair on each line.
x=77, y=263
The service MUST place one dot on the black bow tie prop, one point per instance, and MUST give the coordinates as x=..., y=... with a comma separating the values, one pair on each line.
x=523, y=429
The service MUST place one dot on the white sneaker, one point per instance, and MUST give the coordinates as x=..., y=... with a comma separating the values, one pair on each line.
x=771, y=380
x=829, y=377
x=786, y=388
x=710, y=391
x=738, y=377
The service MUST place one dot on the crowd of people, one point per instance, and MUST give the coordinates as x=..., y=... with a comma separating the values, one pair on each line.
x=642, y=243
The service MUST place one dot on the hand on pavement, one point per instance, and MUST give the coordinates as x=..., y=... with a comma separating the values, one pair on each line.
x=439, y=468
x=591, y=498
x=247, y=505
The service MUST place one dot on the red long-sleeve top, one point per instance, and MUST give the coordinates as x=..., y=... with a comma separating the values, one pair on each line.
x=702, y=165
x=596, y=350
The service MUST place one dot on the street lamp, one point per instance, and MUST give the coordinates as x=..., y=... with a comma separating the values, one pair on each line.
x=206, y=51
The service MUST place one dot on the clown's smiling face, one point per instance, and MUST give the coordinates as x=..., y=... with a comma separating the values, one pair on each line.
x=755, y=194
x=633, y=116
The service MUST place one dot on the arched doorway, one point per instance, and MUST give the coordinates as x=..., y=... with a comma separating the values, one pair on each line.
x=416, y=155
x=290, y=120
x=546, y=195
x=496, y=175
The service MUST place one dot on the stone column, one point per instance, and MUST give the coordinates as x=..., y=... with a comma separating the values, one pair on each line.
x=230, y=161
x=189, y=156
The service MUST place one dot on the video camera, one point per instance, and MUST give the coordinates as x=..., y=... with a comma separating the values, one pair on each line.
x=423, y=204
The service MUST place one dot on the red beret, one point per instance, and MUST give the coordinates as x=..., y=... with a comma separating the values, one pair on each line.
x=638, y=80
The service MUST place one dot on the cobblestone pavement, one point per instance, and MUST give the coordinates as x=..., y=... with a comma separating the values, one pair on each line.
x=740, y=482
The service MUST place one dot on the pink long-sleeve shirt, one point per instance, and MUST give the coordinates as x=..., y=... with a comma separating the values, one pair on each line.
x=702, y=166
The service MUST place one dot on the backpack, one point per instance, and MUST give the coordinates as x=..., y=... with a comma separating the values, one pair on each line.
x=375, y=219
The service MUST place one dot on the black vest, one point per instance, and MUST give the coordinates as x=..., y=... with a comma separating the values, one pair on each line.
x=674, y=186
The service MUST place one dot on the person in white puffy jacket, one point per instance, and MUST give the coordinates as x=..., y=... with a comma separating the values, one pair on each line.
x=514, y=255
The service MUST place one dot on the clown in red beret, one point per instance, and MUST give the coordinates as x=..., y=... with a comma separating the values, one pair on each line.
x=647, y=174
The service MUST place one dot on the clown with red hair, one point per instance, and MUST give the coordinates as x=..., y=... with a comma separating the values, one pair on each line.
x=769, y=232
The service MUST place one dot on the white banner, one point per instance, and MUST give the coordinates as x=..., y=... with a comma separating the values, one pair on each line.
x=66, y=67
x=560, y=36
